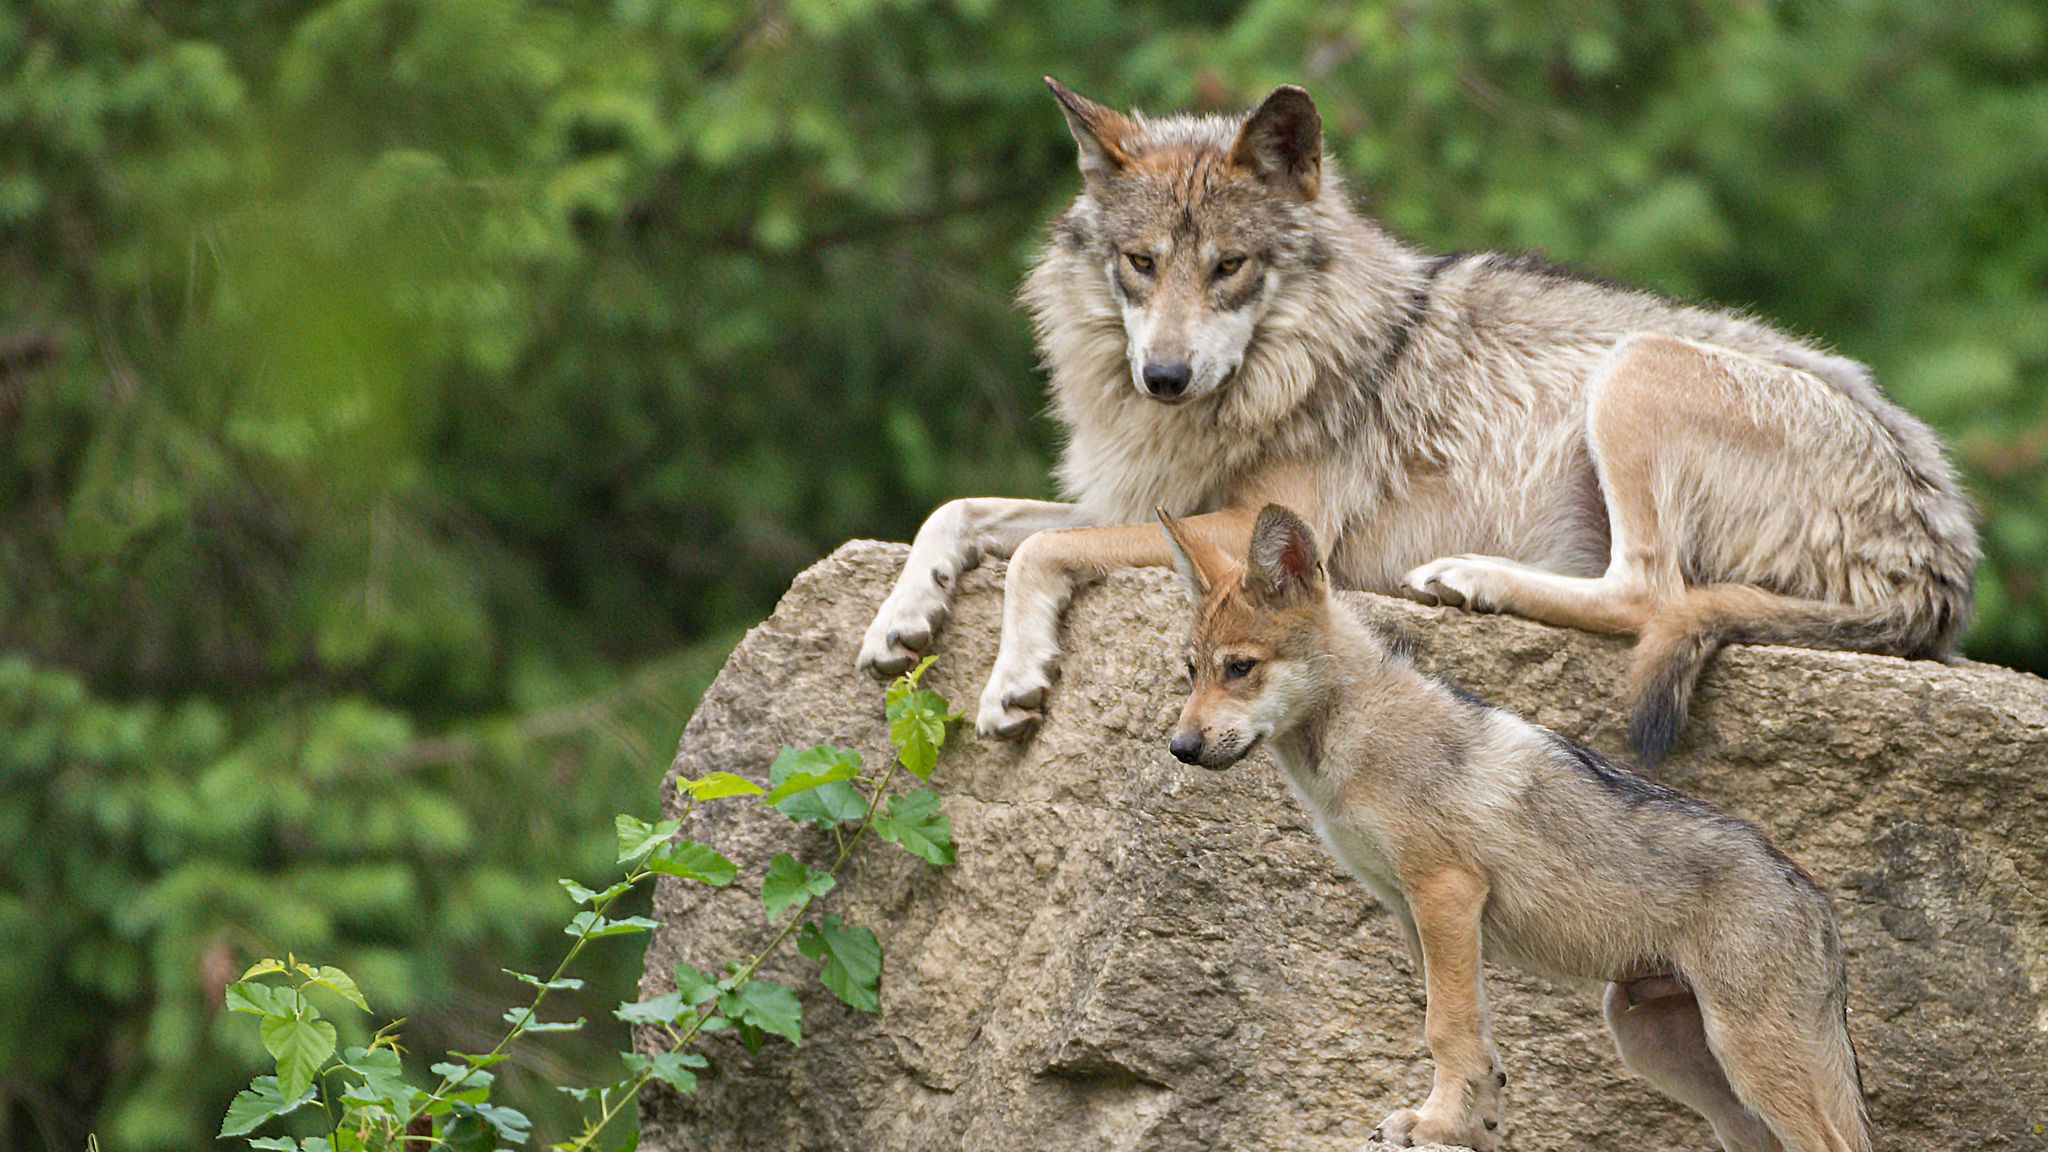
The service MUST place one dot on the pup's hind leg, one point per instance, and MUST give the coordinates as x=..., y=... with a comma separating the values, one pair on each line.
x=1654, y=394
x=1802, y=1084
x=1664, y=1041
x=952, y=540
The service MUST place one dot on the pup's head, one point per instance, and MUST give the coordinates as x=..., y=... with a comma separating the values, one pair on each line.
x=1197, y=224
x=1260, y=633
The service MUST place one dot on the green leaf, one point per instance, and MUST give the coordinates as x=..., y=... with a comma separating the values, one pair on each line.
x=672, y=1068
x=832, y=803
x=301, y=1045
x=565, y=983
x=260, y=1101
x=917, y=721
x=637, y=837
x=451, y=1072
x=274, y=1143
x=768, y=1006
x=523, y=1020
x=803, y=781
x=913, y=820
x=261, y=999
x=263, y=968
x=597, y=927
x=479, y=1127
x=695, y=987
x=719, y=785
x=383, y=1077
x=663, y=1009
x=582, y=895
x=338, y=982
x=693, y=861
x=853, y=961
x=790, y=881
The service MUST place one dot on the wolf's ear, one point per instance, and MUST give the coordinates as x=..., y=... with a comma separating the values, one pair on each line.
x=1102, y=132
x=1284, y=566
x=1282, y=143
x=1199, y=563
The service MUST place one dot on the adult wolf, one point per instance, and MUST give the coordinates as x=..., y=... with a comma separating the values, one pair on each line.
x=1224, y=330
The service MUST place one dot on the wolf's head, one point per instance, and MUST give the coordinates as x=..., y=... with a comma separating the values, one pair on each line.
x=1198, y=224
x=1258, y=654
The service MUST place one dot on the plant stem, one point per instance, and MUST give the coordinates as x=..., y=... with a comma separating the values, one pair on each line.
x=450, y=1084
x=746, y=972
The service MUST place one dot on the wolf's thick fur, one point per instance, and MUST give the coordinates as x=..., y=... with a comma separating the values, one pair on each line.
x=1485, y=834
x=1224, y=329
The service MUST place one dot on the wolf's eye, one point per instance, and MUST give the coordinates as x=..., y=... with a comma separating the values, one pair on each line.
x=1141, y=262
x=1228, y=267
x=1238, y=669
x=1191, y=669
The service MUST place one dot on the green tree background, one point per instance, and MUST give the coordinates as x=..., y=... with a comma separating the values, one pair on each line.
x=405, y=403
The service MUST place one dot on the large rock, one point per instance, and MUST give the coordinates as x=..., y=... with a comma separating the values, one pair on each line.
x=1133, y=954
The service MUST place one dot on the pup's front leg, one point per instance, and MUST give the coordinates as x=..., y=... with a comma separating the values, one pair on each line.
x=1466, y=1105
x=952, y=540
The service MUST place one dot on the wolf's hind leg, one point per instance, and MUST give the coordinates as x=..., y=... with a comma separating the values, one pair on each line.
x=952, y=540
x=1651, y=397
x=1664, y=1041
x=1798, y=1082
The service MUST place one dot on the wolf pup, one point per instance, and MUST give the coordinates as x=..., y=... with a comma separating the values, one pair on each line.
x=1487, y=834
x=1223, y=330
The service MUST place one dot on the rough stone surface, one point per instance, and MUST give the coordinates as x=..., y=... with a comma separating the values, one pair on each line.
x=1132, y=954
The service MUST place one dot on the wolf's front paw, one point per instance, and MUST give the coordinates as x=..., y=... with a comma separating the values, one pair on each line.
x=902, y=631
x=1012, y=704
x=1470, y=582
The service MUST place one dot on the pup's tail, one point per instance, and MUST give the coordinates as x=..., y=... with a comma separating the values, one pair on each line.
x=1678, y=641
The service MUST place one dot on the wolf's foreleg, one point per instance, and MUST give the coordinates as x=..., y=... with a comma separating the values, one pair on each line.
x=952, y=540
x=1043, y=574
x=1465, y=1104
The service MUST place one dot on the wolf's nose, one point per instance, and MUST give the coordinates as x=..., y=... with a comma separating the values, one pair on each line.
x=1186, y=747
x=1167, y=378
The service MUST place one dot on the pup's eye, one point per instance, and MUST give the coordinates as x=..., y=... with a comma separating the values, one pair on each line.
x=1238, y=669
x=1139, y=261
x=1191, y=669
x=1228, y=267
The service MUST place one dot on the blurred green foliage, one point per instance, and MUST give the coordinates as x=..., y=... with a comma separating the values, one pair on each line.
x=403, y=402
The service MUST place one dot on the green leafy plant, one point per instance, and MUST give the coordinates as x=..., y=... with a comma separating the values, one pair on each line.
x=369, y=1103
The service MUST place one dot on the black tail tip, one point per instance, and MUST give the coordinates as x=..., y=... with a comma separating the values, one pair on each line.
x=1653, y=730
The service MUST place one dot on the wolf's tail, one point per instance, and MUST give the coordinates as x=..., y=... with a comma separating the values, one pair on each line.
x=1678, y=641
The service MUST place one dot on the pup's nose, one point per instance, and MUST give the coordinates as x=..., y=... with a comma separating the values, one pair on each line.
x=1167, y=378
x=1186, y=747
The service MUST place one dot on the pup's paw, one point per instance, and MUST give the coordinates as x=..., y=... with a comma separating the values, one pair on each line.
x=1469, y=582
x=1012, y=704
x=902, y=631
x=1477, y=1125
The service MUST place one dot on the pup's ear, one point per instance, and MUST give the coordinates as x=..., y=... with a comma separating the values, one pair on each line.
x=1102, y=132
x=1199, y=563
x=1284, y=567
x=1282, y=144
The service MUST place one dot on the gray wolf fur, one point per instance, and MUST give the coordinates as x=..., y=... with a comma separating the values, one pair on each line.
x=1223, y=330
x=1485, y=834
